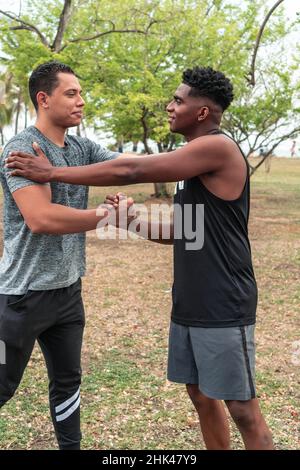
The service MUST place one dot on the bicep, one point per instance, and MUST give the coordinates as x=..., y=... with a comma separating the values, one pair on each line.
x=193, y=159
x=32, y=201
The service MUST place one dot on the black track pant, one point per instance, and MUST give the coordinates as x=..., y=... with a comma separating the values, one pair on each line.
x=56, y=319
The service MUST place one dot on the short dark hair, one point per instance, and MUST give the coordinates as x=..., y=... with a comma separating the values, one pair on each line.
x=204, y=81
x=44, y=78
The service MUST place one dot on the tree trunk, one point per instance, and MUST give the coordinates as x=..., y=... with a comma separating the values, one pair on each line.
x=253, y=169
x=63, y=23
x=251, y=79
x=171, y=143
x=18, y=114
x=147, y=149
x=161, y=190
x=2, y=137
x=25, y=117
x=120, y=144
x=83, y=128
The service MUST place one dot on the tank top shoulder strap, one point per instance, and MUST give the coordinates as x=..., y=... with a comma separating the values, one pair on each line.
x=219, y=131
x=247, y=183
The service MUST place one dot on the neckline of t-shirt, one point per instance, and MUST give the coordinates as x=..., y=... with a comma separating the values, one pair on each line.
x=63, y=149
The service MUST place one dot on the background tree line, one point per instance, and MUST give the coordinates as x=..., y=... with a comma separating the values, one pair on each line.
x=129, y=56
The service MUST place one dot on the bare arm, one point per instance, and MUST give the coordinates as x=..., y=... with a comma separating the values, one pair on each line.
x=42, y=216
x=202, y=155
x=159, y=232
x=155, y=231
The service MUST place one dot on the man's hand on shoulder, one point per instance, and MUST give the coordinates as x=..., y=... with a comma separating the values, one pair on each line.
x=36, y=168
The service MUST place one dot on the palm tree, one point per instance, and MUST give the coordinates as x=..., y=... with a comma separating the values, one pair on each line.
x=6, y=109
x=13, y=102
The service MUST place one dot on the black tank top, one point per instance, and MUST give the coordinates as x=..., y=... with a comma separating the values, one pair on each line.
x=214, y=284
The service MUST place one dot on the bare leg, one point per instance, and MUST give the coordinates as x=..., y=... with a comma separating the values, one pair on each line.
x=251, y=424
x=213, y=419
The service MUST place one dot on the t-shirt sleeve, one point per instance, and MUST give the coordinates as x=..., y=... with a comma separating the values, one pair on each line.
x=99, y=154
x=16, y=182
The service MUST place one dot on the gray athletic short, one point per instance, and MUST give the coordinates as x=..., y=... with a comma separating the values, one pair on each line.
x=220, y=360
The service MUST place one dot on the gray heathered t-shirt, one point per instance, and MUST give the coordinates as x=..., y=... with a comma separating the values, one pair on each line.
x=39, y=261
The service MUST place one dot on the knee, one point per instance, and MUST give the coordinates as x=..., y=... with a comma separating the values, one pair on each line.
x=198, y=399
x=242, y=414
x=66, y=380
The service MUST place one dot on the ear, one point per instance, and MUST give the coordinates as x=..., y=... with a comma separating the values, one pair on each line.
x=203, y=113
x=42, y=99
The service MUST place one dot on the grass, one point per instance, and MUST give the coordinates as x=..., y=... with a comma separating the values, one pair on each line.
x=127, y=402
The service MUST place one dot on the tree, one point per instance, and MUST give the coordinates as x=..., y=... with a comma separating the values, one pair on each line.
x=130, y=55
x=265, y=114
x=136, y=85
x=21, y=35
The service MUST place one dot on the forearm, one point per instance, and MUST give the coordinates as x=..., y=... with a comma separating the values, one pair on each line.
x=200, y=156
x=155, y=231
x=111, y=173
x=122, y=171
x=58, y=219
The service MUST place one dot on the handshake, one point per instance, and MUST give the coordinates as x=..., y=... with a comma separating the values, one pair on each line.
x=119, y=210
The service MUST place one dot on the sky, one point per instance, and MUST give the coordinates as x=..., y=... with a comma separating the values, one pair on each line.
x=291, y=8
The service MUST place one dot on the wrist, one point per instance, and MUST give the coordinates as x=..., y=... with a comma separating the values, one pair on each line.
x=134, y=218
x=53, y=174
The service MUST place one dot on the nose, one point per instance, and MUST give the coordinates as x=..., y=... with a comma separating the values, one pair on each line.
x=170, y=106
x=81, y=101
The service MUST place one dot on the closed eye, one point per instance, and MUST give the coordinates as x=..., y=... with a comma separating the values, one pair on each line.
x=72, y=92
x=177, y=99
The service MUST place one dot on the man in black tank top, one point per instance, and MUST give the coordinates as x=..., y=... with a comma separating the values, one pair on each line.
x=211, y=347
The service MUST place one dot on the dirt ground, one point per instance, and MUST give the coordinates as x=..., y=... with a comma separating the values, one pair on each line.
x=126, y=400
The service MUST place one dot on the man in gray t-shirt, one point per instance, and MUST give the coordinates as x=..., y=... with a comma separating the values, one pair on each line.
x=44, y=251
x=39, y=261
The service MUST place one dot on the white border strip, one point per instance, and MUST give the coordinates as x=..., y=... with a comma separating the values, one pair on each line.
x=67, y=402
x=69, y=411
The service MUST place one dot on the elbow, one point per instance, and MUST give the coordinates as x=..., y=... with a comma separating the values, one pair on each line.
x=127, y=174
x=34, y=228
x=37, y=226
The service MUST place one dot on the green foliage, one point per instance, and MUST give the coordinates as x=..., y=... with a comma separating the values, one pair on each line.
x=130, y=56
